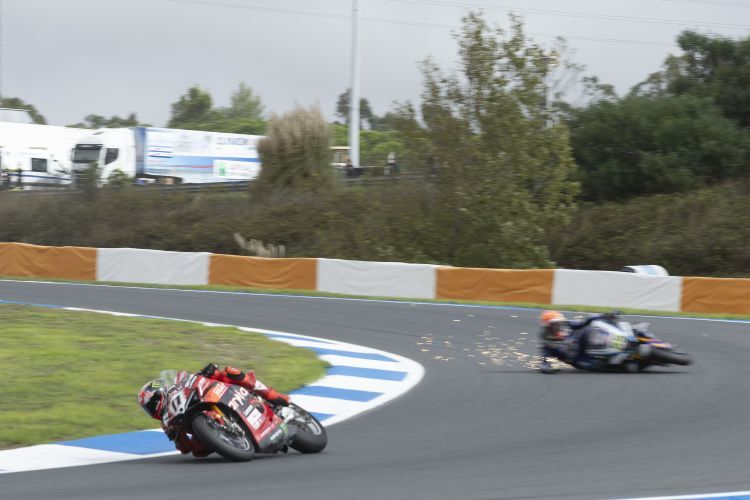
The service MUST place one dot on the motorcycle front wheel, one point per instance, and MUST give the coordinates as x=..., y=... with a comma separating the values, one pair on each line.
x=311, y=436
x=234, y=446
x=670, y=357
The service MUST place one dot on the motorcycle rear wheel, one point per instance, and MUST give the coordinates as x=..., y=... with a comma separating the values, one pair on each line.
x=234, y=447
x=310, y=437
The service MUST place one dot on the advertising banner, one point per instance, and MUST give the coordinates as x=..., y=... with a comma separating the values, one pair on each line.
x=199, y=157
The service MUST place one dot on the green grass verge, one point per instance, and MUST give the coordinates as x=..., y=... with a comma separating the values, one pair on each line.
x=69, y=374
x=313, y=293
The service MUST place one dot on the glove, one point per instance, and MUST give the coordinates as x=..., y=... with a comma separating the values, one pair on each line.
x=283, y=400
x=277, y=398
x=209, y=370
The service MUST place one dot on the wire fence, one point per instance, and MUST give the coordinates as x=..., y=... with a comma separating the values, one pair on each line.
x=362, y=176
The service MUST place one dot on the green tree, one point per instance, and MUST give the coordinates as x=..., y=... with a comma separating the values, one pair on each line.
x=503, y=158
x=17, y=103
x=243, y=116
x=295, y=153
x=417, y=151
x=343, y=108
x=192, y=110
x=195, y=111
x=374, y=145
x=644, y=145
x=99, y=121
x=710, y=66
x=716, y=67
x=244, y=104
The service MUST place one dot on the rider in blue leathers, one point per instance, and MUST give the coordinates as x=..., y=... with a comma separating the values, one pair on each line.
x=564, y=338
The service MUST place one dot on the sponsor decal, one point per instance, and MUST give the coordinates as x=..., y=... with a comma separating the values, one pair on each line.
x=276, y=435
x=177, y=403
x=239, y=398
x=233, y=141
x=266, y=431
x=202, y=385
x=235, y=169
x=260, y=386
x=219, y=389
x=253, y=416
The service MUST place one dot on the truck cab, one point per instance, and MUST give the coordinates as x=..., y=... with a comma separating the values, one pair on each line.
x=109, y=149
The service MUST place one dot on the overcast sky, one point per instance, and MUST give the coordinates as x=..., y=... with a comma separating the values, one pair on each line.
x=71, y=58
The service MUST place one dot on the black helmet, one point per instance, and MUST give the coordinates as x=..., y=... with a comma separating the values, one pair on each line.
x=151, y=398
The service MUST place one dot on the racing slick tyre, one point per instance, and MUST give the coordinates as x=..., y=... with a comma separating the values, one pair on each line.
x=311, y=436
x=670, y=357
x=217, y=437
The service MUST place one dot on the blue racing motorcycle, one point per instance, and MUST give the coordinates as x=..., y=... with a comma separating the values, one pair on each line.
x=607, y=344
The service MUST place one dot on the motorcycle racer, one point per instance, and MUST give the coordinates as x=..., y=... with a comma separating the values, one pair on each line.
x=571, y=337
x=153, y=396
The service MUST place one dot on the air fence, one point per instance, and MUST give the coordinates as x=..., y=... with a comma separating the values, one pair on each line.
x=559, y=287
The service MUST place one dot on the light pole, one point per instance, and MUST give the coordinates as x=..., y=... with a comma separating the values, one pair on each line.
x=354, y=95
x=1, y=51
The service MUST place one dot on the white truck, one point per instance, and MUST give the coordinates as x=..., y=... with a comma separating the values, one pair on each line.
x=169, y=155
x=37, y=155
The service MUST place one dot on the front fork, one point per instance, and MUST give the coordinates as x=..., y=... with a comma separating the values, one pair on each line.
x=215, y=413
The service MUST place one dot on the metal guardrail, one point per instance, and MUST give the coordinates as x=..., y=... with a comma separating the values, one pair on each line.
x=361, y=180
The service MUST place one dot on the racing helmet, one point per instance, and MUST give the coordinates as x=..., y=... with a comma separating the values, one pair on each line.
x=548, y=317
x=151, y=398
x=553, y=325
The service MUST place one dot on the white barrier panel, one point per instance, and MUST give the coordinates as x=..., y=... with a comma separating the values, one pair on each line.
x=152, y=266
x=382, y=279
x=617, y=289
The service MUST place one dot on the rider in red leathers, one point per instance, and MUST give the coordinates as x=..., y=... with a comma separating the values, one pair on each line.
x=152, y=399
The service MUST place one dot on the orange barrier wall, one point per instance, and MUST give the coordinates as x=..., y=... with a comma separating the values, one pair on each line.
x=716, y=295
x=501, y=285
x=21, y=259
x=236, y=270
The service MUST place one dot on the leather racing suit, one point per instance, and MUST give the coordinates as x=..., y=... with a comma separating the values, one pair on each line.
x=574, y=343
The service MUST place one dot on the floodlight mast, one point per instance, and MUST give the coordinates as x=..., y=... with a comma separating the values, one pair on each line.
x=354, y=94
x=1, y=49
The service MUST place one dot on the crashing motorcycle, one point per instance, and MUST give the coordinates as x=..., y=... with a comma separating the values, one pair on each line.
x=234, y=422
x=615, y=345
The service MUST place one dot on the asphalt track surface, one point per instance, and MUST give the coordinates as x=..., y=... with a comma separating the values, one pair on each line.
x=472, y=429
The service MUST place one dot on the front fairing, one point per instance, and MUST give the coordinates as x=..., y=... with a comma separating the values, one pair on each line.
x=181, y=388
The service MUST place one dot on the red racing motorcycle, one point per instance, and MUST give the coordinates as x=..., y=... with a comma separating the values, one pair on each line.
x=234, y=422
